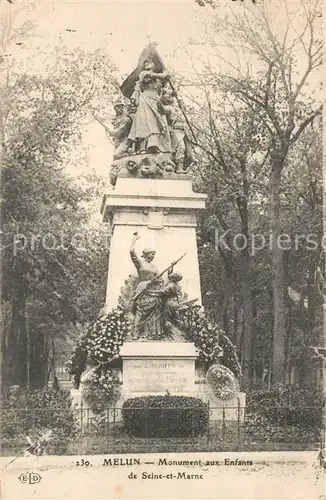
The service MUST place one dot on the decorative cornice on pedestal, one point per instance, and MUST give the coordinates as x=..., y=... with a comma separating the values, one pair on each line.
x=138, y=349
x=132, y=216
x=152, y=194
x=112, y=203
x=171, y=176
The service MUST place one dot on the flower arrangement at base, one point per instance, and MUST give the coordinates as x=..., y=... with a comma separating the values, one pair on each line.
x=106, y=336
x=209, y=339
x=222, y=381
x=100, y=390
x=100, y=345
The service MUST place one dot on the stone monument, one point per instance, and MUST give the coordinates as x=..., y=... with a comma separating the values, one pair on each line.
x=152, y=213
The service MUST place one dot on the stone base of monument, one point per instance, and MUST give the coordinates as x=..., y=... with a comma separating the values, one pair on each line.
x=159, y=368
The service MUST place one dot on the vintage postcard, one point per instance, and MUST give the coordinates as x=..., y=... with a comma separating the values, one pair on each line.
x=162, y=250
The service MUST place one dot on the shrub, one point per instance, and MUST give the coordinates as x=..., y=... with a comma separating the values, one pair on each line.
x=101, y=390
x=261, y=428
x=30, y=411
x=286, y=405
x=284, y=414
x=165, y=416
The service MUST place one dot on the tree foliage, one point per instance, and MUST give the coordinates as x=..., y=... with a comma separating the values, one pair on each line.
x=251, y=119
x=214, y=3
x=53, y=258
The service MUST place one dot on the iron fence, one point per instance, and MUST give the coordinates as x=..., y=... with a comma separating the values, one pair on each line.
x=80, y=430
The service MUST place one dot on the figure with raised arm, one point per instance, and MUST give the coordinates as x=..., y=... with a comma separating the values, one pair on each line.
x=147, y=300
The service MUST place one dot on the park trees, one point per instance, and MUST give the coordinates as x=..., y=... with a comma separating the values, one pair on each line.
x=271, y=69
x=231, y=164
x=53, y=258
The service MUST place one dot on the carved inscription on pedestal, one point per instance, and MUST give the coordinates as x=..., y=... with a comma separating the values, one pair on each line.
x=158, y=375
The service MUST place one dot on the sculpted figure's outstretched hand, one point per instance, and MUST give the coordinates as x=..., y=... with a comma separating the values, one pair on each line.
x=134, y=257
x=135, y=237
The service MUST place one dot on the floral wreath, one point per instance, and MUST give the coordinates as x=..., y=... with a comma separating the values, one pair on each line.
x=222, y=381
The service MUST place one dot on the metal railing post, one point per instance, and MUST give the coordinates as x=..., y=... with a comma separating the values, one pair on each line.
x=208, y=424
x=223, y=424
x=107, y=428
x=81, y=417
x=239, y=423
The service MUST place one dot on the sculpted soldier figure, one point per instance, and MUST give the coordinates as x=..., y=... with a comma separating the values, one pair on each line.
x=177, y=130
x=170, y=295
x=121, y=127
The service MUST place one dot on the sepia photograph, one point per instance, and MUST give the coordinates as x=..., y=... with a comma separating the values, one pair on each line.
x=163, y=250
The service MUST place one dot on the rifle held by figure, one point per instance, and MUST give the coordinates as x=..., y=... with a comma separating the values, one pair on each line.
x=157, y=277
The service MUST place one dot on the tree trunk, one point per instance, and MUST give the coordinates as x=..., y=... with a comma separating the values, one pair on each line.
x=15, y=368
x=323, y=369
x=246, y=292
x=253, y=345
x=279, y=327
x=288, y=319
x=3, y=353
x=247, y=322
x=312, y=300
x=3, y=331
x=224, y=309
x=38, y=360
x=288, y=354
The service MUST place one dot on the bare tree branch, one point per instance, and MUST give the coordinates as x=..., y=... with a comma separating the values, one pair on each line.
x=306, y=122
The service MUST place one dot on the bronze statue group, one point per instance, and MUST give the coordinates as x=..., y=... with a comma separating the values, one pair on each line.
x=151, y=124
x=157, y=303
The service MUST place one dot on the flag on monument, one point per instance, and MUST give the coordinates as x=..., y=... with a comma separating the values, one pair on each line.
x=149, y=53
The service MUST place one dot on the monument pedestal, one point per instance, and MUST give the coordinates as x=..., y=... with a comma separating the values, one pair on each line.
x=164, y=213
